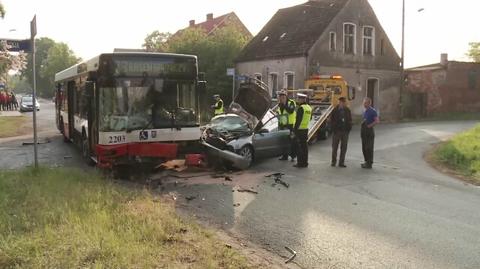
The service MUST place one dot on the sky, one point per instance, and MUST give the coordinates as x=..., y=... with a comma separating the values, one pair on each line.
x=91, y=27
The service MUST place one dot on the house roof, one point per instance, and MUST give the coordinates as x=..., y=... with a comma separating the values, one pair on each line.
x=210, y=25
x=292, y=31
x=439, y=66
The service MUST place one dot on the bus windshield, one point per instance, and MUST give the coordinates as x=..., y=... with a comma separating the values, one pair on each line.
x=141, y=103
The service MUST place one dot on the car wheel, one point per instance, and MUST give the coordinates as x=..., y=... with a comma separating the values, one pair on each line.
x=247, y=153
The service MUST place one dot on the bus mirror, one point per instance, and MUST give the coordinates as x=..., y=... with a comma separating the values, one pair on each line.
x=89, y=88
x=202, y=87
x=202, y=83
x=351, y=93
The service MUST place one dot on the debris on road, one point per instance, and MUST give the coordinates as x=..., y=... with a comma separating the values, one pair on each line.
x=46, y=141
x=176, y=165
x=67, y=157
x=227, y=178
x=247, y=190
x=173, y=196
x=275, y=175
x=236, y=205
x=293, y=252
x=190, y=198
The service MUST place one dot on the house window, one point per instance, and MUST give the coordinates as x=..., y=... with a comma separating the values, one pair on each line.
x=382, y=47
x=349, y=37
x=472, y=79
x=289, y=78
x=258, y=76
x=333, y=41
x=368, y=40
x=274, y=84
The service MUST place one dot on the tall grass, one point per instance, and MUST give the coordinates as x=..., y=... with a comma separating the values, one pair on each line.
x=462, y=153
x=59, y=218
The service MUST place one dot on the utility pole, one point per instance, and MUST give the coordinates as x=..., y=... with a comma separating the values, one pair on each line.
x=33, y=33
x=402, y=63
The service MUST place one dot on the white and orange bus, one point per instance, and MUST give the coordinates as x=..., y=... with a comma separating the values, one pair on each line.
x=122, y=108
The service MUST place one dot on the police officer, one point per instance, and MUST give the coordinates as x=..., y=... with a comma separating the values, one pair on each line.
x=218, y=106
x=287, y=116
x=304, y=115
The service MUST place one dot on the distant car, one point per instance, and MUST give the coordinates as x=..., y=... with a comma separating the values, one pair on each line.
x=26, y=104
x=248, y=132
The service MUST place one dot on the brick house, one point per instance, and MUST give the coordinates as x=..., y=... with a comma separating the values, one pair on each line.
x=212, y=24
x=321, y=37
x=448, y=86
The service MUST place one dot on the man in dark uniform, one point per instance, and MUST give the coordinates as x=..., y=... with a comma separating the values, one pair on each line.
x=287, y=116
x=341, y=124
x=370, y=119
x=304, y=115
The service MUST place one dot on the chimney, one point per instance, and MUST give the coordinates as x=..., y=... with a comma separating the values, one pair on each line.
x=210, y=17
x=192, y=23
x=444, y=59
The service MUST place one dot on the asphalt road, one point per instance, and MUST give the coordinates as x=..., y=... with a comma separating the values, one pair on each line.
x=401, y=214
x=45, y=116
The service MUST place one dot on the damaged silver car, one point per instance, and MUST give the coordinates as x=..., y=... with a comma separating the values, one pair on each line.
x=249, y=131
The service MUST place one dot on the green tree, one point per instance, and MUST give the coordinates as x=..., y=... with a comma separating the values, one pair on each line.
x=42, y=45
x=474, y=51
x=59, y=57
x=2, y=10
x=157, y=41
x=51, y=57
x=216, y=52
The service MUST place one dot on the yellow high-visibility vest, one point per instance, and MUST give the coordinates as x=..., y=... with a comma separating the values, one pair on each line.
x=307, y=115
x=286, y=118
x=220, y=110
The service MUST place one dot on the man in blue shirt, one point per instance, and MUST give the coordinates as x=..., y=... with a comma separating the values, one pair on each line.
x=370, y=119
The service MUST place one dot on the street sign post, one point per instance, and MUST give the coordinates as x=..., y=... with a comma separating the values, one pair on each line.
x=231, y=72
x=16, y=45
x=33, y=33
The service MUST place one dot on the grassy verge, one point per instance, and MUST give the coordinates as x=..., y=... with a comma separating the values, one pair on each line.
x=462, y=154
x=59, y=218
x=12, y=126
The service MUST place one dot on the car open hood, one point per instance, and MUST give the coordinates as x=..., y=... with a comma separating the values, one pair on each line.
x=251, y=102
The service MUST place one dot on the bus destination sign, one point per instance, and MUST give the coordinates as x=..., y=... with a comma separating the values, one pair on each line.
x=153, y=68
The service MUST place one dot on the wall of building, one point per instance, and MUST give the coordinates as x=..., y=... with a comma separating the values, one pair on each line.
x=279, y=66
x=455, y=88
x=386, y=97
x=360, y=13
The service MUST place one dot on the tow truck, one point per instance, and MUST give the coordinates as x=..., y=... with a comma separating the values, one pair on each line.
x=323, y=92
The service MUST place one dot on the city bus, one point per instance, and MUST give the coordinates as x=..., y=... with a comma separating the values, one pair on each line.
x=124, y=108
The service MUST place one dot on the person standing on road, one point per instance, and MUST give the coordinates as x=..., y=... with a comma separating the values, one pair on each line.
x=218, y=106
x=304, y=115
x=287, y=116
x=2, y=100
x=370, y=119
x=341, y=124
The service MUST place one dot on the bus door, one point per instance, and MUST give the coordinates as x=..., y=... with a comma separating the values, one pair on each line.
x=71, y=106
x=92, y=114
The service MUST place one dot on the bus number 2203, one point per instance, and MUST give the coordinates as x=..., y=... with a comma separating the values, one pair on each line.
x=116, y=139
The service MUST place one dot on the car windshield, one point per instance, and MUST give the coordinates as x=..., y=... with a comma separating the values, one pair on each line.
x=27, y=99
x=230, y=124
x=136, y=104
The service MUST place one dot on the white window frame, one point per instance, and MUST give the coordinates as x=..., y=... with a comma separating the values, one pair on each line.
x=334, y=41
x=258, y=75
x=270, y=80
x=365, y=37
x=354, y=38
x=285, y=79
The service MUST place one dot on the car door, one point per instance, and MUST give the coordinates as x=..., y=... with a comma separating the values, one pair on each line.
x=269, y=141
